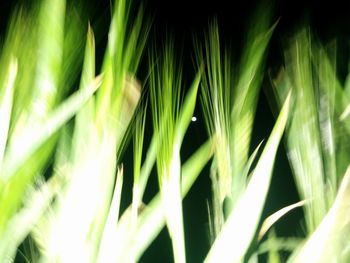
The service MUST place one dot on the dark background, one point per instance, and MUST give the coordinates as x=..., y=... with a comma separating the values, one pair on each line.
x=186, y=20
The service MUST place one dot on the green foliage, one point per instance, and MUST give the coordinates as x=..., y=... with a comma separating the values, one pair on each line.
x=61, y=162
x=171, y=119
x=317, y=139
x=241, y=224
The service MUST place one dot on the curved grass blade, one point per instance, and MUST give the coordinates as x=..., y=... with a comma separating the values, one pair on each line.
x=272, y=219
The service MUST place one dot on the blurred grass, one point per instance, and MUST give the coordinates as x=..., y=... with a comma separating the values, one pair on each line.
x=171, y=118
x=62, y=175
x=317, y=145
x=229, y=103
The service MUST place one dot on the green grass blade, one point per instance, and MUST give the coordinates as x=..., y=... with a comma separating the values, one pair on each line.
x=229, y=103
x=275, y=244
x=89, y=60
x=137, y=191
x=240, y=227
x=152, y=220
x=6, y=101
x=49, y=62
x=272, y=219
x=329, y=242
x=170, y=124
x=84, y=127
x=109, y=242
x=23, y=222
x=147, y=165
x=187, y=109
x=34, y=137
x=304, y=134
x=247, y=91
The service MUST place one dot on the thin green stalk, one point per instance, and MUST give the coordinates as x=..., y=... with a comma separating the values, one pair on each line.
x=229, y=106
x=170, y=124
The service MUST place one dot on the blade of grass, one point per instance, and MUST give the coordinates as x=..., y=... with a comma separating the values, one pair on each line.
x=272, y=219
x=152, y=219
x=330, y=238
x=6, y=103
x=108, y=245
x=23, y=222
x=36, y=136
x=229, y=113
x=170, y=125
x=48, y=68
x=240, y=227
x=304, y=135
x=138, y=147
x=279, y=244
